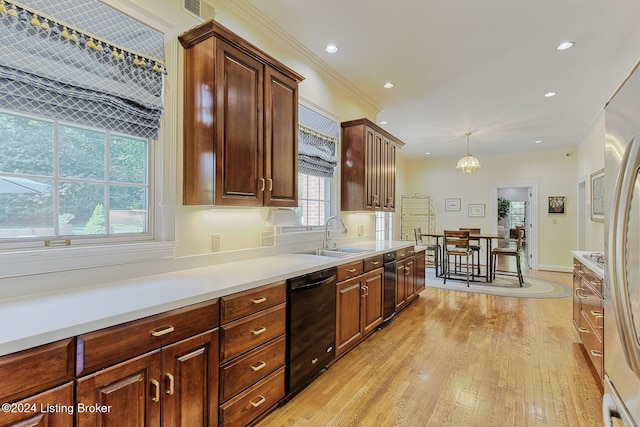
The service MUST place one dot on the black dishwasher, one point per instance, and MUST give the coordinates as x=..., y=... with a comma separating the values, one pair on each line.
x=389, y=304
x=311, y=327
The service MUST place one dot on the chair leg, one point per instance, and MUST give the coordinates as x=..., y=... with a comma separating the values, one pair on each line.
x=468, y=268
x=445, y=268
x=520, y=279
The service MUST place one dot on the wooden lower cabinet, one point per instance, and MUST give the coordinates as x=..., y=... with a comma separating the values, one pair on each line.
x=405, y=282
x=51, y=408
x=173, y=386
x=359, y=304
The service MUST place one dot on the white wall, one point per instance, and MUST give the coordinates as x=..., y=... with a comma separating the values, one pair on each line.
x=590, y=154
x=552, y=171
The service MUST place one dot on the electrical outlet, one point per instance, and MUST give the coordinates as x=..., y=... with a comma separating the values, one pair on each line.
x=267, y=238
x=215, y=243
x=360, y=230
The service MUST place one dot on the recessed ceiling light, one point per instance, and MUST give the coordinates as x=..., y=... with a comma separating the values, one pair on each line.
x=388, y=85
x=564, y=45
x=332, y=48
x=539, y=141
x=428, y=153
x=549, y=94
x=384, y=122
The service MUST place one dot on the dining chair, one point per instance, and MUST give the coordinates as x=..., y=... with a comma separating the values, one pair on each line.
x=509, y=252
x=456, y=244
x=474, y=244
x=430, y=247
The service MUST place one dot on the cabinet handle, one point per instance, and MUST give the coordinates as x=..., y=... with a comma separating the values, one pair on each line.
x=171, y=384
x=596, y=353
x=596, y=313
x=314, y=361
x=258, y=331
x=162, y=332
x=258, y=300
x=270, y=181
x=258, y=366
x=260, y=401
x=407, y=271
x=366, y=290
x=401, y=255
x=156, y=394
x=583, y=330
x=375, y=262
x=351, y=270
x=262, y=184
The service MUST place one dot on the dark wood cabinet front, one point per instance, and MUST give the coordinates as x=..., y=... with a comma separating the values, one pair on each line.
x=240, y=122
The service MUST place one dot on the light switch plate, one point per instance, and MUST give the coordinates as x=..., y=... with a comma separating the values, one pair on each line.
x=267, y=238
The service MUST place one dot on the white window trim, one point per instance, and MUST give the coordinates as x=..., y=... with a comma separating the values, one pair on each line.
x=162, y=225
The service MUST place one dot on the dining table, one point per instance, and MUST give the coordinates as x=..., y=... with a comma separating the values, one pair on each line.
x=481, y=237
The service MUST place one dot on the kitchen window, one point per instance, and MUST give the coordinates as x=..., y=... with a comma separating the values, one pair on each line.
x=65, y=181
x=314, y=200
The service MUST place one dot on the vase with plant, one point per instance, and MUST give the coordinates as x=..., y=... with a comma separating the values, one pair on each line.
x=503, y=208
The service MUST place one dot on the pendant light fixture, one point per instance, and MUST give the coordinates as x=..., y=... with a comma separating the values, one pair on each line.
x=468, y=164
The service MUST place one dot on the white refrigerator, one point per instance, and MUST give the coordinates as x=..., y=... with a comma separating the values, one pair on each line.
x=621, y=401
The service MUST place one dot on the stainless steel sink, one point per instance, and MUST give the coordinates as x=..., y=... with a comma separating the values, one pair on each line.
x=336, y=252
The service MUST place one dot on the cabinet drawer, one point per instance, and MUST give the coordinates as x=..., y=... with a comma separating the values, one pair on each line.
x=347, y=271
x=254, y=402
x=53, y=407
x=592, y=343
x=404, y=253
x=112, y=345
x=592, y=309
x=242, y=304
x=250, y=332
x=31, y=371
x=593, y=280
x=239, y=374
x=373, y=263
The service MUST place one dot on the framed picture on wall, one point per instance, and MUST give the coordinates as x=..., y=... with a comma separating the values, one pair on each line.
x=556, y=204
x=476, y=210
x=452, y=204
x=597, y=196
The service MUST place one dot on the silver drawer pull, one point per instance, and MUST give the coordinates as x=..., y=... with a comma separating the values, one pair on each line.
x=258, y=366
x=258, y=331
x=583, y=330
x=314, y=361
x=258, y=300
x=351, y=270
x=162, y=332
x=260, y=401
x=596, y=313
x=596, y=353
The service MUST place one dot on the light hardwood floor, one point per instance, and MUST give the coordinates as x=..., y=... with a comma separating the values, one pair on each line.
x=459, y=359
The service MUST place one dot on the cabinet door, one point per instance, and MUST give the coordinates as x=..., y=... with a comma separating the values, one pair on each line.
x=190, y=382
x=401, y=280
x=388, y=174
x=51, y=408
x=281, y=140
x=348, y=314
x=410, y=276
x=239, y=128
x=373, y=144
x=127, y=394
x=372, y=307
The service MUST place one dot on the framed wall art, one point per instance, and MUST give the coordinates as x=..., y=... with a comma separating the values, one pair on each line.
x=452, y=204
x=597, y=196
x=476, y=210
x=556, y=204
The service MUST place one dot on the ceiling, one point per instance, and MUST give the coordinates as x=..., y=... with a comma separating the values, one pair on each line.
x=480, y=66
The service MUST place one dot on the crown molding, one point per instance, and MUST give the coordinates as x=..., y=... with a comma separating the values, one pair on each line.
x=265, y=25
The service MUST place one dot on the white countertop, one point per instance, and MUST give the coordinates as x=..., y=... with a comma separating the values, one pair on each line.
x=40, y=319
x=585, y=258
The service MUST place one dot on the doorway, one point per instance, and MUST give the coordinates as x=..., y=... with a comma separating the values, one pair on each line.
x=524, y=198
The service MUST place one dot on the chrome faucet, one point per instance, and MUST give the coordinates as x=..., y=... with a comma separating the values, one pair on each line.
x=326, y=238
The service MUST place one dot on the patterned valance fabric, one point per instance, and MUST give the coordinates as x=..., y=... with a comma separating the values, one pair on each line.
x=81, y=62
x=317, y=142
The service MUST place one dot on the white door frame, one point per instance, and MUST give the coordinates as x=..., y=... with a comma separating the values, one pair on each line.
x=531, y=227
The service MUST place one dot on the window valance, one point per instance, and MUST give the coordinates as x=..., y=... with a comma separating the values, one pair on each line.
x=83, y=62
x=317, y=142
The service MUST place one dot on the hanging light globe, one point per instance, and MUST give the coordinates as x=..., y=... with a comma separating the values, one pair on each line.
x=468, y=164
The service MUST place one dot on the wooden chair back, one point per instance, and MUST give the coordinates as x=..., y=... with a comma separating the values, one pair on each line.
x=475, y=242
x=417, y=232
x=456, y=238
x=520, y=237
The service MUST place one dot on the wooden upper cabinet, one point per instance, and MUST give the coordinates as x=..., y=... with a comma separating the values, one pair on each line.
x=240, y=122
x=368, y=167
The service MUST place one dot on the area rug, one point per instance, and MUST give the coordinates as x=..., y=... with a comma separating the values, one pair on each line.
x=504, y=286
